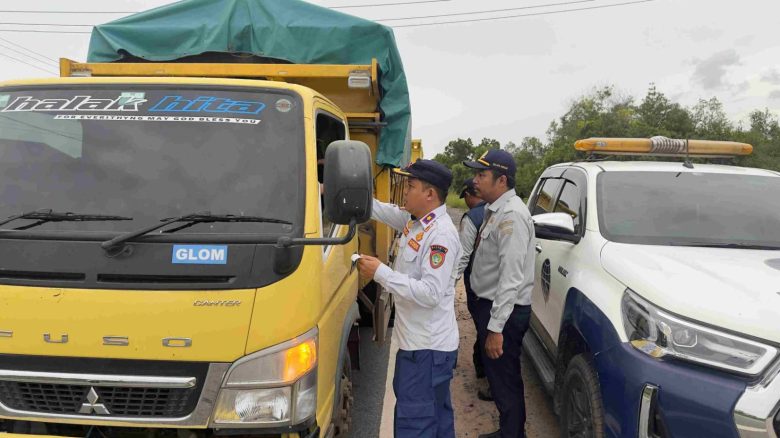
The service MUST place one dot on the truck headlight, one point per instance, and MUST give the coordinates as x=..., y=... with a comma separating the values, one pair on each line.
x=253, y=406
x=658, y=334
x=273, y=386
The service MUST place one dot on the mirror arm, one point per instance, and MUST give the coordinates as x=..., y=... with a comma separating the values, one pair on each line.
x=548, y=234
x=286, y=241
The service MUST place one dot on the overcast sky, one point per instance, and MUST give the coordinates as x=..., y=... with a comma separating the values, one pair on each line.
x=509, y=78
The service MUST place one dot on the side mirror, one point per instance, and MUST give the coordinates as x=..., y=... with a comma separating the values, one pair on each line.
x=555, y=226
x=349, y=186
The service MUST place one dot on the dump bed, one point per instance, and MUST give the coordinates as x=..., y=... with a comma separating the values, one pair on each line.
x=275, y=32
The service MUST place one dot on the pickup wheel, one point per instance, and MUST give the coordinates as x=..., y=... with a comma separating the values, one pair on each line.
x=342, y=420
x=582, y=412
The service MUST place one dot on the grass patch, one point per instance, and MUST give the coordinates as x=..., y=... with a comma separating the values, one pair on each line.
x=454, y=201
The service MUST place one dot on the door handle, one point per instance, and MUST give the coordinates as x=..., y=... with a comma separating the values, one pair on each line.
x=354, y=257
x=539, y=248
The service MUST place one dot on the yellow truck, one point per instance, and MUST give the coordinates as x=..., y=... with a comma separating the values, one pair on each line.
x=176, y=241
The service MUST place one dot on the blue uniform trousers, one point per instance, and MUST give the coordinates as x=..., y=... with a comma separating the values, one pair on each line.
x=471, y=304
x=506, y=382
x=423, y=408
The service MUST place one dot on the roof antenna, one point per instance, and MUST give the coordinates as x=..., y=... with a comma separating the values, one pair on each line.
x=688, y=164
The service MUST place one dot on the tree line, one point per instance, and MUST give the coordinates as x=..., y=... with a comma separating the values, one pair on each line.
x=605, y=113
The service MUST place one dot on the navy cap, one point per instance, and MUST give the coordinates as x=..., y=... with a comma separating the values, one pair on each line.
x=429, y=171
x=468, y=187
x=496, y=159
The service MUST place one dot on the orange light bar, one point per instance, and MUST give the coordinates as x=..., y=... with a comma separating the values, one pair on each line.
x=662, y=146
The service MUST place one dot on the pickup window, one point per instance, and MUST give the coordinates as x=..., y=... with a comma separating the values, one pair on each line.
x=569, y=203
x=690, y=209
x=546, y=196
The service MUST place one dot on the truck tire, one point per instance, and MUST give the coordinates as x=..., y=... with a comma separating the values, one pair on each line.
x=582, y=411
x=342, y=418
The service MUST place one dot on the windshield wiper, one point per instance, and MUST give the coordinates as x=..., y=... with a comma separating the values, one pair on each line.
x=191, y=219
x=728, y=245
x=203, y=218
x=44, y=216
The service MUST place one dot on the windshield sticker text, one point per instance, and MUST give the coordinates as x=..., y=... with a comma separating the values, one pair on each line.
x=200, y=254
x=207, y=104
x=114, y=118
x=76, y=103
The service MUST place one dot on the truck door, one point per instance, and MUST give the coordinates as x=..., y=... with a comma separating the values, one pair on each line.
x=336, y=258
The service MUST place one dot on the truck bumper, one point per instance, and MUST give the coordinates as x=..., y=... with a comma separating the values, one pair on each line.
x=668, y=397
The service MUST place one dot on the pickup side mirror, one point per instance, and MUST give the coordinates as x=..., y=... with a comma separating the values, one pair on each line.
x=555, y=226
x=348, y=183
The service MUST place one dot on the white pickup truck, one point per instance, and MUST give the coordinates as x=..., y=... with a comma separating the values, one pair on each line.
x=656, y=307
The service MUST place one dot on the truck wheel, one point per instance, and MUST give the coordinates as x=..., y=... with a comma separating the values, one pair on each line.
x=582, y=413
x=342, y=420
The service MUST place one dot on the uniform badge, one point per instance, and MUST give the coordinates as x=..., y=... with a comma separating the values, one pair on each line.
x=438, y=254
x=406, y=228
x=419, y=236
x=428, y=219
x=414, y=245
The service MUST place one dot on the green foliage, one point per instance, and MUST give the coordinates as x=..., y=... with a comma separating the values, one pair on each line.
x=454, y=201
x=604, y=113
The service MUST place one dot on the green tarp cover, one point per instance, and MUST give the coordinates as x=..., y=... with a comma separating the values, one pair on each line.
x=292, y=30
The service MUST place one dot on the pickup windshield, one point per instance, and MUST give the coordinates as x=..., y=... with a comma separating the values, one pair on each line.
x=149, y=152
x=690, y=209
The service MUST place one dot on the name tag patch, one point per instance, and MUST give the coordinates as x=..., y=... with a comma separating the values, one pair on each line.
x=200, y=254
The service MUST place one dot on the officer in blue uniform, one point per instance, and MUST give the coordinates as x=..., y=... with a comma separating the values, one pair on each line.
x=470, y=224
x=422, y=282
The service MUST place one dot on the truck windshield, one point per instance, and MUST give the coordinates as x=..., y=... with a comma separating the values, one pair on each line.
x=151, y=152
x=690, y=209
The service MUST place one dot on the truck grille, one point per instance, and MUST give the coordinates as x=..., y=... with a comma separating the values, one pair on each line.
x=118, y=401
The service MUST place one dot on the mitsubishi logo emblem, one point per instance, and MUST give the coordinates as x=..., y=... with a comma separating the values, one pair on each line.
x=92, y=406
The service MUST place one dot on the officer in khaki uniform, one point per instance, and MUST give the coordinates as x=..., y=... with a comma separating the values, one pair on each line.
x=422, y=282
x=502, y=277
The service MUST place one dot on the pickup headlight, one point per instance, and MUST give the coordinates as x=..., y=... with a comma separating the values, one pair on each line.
x=274, y=386
x=660, y=334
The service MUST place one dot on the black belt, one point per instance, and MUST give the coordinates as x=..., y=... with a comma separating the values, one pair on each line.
x=482, y=300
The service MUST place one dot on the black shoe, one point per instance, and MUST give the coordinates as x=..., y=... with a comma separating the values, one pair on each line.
x=485, y=396
x=496, y=434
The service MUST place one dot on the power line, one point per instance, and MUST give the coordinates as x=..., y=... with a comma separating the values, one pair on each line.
x=25, y=62
x=40, y=128
x=68, y=12
x=42, y=31
x=486, y=12
x=387, y=4
x=417, y=2
x=524, y=15
x=29, y=50
x=341, y=7
x=23, y=54
x=473, y=20
x=47, y=24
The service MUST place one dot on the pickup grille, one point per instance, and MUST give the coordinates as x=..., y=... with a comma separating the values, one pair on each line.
x=66, y=399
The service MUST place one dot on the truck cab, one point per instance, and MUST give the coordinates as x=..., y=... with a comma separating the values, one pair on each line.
x=656, y=292
x=169, y=261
